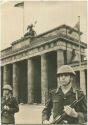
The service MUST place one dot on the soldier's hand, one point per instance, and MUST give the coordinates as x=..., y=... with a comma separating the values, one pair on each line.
x=46, y=122
x=6, y=107
x=70, y=111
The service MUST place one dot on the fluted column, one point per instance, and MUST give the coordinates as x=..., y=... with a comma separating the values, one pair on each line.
x=15, y=80
x=60, y=59
x=69, y=56
x=83, y=81
x=30, y=81
x=5, y=75
x=1, y=73
x=44, y=78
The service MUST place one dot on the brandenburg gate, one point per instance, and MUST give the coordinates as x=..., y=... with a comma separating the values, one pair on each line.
x=30, y=64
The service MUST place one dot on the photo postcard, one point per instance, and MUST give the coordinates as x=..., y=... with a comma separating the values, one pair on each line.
x=43, y=57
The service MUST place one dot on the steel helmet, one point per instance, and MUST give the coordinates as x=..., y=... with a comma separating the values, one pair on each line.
x=8, y=87
x=65, y=69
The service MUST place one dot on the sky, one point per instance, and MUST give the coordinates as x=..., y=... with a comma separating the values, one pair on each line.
x=14, y=20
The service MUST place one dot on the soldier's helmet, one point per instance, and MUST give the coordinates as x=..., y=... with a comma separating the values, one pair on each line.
x=65, y=69
x=7, y=87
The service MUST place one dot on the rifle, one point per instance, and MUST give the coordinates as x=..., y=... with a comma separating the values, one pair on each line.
x=59, y=118
x=5, y=103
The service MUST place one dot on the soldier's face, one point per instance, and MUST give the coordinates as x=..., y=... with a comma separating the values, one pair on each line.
x=64, y=79
x=5, y=92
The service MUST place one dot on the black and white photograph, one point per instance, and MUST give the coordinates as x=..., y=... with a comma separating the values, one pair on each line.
x=43, y=62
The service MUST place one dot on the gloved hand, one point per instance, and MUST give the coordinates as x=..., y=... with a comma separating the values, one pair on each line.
x=70, y=111
x=6, y=107
x=46, y=122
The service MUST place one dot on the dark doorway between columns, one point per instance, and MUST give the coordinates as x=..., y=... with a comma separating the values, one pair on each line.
x=52, y=70
x=22, y=81
x=37, y=79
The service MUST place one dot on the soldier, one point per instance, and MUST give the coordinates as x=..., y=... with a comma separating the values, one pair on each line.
x=9, y=106
x=61, y=98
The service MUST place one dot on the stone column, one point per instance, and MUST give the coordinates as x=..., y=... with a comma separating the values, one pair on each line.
x=15, y=80
x=44, y=79
x=83, y=81
x=30, y=81
x=69, y=56
x=5, y=75
x=1, y=74
x=60, y=59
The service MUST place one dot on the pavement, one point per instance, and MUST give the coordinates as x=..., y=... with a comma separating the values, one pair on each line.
x=29, y=114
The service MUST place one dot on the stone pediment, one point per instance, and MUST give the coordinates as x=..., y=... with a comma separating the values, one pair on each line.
x=48, y=39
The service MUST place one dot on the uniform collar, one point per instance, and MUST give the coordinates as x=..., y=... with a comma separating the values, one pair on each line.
x=59, y=90
x=69, y=92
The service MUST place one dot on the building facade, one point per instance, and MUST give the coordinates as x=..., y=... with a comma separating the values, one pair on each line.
x=30, y=64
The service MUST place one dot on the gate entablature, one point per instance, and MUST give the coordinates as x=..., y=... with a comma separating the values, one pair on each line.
x=63, y=37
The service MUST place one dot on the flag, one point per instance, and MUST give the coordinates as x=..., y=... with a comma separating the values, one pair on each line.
x=21, y=4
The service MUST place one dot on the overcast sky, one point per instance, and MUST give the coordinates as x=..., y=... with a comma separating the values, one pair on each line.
x=47, y=14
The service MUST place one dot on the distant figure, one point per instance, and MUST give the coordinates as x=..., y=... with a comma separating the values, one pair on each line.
x=31, y=31
x=9, y=106
x=74, y=57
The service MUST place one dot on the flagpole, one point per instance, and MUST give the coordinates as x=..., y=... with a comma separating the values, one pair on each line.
x=21, y=5
x=79, y=48
x=23, y=20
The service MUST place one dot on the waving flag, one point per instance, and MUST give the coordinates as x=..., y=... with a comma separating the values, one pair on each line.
x=20, y=4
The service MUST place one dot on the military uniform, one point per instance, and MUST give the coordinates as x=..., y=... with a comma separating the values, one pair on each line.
x=57, y=100
x=7, y=117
